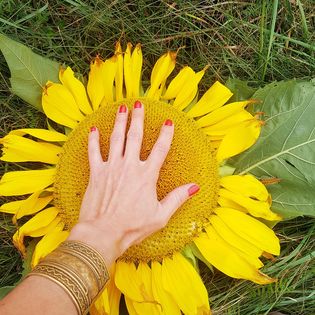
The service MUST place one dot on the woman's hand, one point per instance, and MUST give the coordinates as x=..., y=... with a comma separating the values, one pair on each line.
x=120, y=207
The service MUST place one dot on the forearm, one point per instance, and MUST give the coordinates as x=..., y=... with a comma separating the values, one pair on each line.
x=36, y=295
x=64, y=282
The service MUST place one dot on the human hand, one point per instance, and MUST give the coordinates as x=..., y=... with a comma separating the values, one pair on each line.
x=120, y=206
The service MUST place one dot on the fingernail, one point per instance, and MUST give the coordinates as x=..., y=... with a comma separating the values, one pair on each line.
x=193, y=190
x=93, y=128
x=168, y=122
x=122, y=108
x=137, y=104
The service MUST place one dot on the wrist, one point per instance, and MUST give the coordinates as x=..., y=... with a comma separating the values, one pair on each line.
x=107, y=241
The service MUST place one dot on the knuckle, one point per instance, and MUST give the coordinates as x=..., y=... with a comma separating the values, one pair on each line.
x=116, y=137
x=178, y=198
x=135, y=135
x=161, y=147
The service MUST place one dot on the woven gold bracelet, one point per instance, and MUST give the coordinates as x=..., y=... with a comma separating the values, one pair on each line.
x=79, y=269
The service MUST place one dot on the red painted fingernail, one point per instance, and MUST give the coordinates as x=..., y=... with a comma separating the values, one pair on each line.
x=168, y=122
x=93, y=128
x=137, y=105
x=193, y=190
x=122, y=108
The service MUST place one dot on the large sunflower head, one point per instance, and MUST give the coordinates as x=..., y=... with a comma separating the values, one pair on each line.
x=221, y=225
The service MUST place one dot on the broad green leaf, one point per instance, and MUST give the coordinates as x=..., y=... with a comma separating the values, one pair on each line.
x=29, y=71
x=5, y=290
x=28, y=259
x=189, y=255
x=286, y=148
x=241, y=90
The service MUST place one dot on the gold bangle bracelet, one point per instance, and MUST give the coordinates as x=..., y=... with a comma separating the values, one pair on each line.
x=90, y=256
x=79, y=269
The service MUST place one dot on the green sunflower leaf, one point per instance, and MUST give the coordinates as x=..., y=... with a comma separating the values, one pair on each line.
x=241, y=90
x=29, y=71
x=286, y=147
x=28, y=259
x=5, y=290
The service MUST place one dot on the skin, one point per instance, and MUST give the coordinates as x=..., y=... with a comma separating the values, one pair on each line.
x=120, y=208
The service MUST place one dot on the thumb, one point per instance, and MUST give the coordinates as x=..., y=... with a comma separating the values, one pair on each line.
x=177, y=197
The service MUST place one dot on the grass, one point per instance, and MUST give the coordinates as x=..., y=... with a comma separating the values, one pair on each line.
x=256, y=41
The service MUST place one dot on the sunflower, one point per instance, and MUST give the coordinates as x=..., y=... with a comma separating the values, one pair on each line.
x=222, y=225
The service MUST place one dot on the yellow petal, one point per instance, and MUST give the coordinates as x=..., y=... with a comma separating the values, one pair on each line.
x=101, y=304
x=184, y=284
x=136, y=66
x=27, y=206
x=95, y=86
x=49, y=243
x=11, y=207
x=76, y=88
x=60, y=106
x=216, y=96
x=188, y=91
x=114, y=297
x=233, y=239
x=224, y=126
x=159, y=91
x=109, y=70
x=38, y=222
x=109, y=299
x=32, y=205
x=176, y=85
x=119, y=77
x=43, y=134
x=165, y=300
x=250, y=229
x=226, y=258
x=46, y=229
x=246, y=185
x=222, y=113
x=20, y=149
x=256, y=208
x=128, y=70
x=161, y=70
x=148, y=305
x=228, y=203
x=239, y=139
x=130, y=307
x=136, y=285
x=127, y=281
x=18, y=183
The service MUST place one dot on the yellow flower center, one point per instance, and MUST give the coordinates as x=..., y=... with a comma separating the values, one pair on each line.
x=190, y=159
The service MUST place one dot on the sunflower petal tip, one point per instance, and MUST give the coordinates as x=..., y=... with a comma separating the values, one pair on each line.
x=97, y=61
x=269, y=256
x=206, y=67
x=173, y=55
x=270, y=181
x=14, y=219
x=18, y=241
x=129, y=46
x=47, y=86
x=118, y=46
x=253, y=101
x=203, y=310
x=265, y=279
